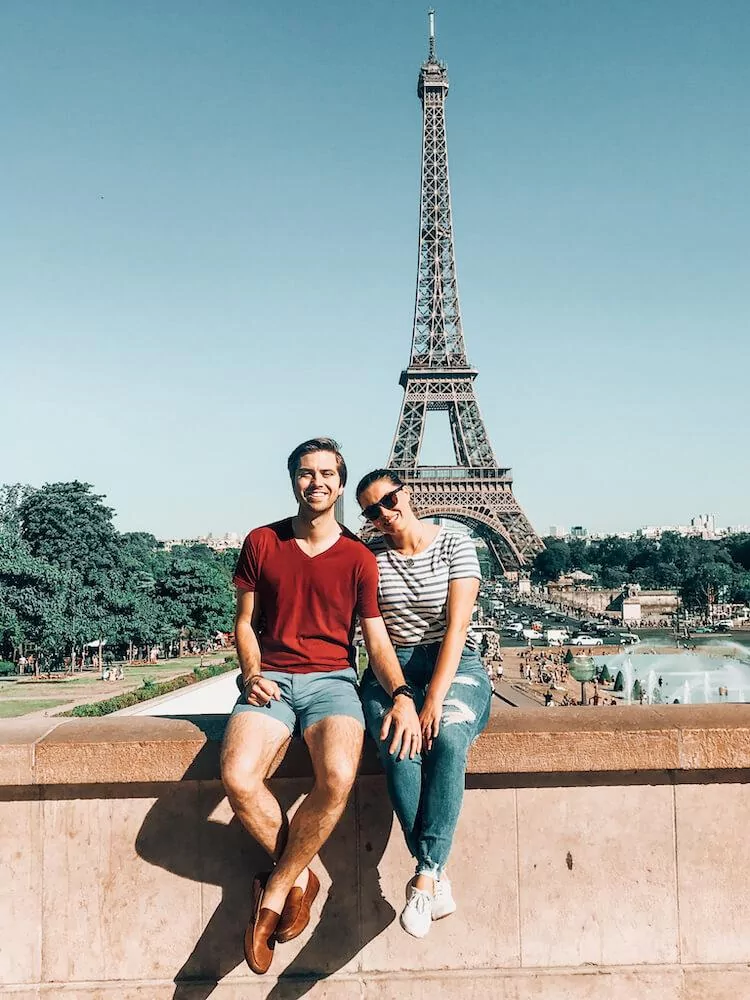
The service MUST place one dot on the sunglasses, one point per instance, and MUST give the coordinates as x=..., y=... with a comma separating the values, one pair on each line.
x=373, y=511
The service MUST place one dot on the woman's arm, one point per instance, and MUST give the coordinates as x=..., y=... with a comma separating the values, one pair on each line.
x=462, y=595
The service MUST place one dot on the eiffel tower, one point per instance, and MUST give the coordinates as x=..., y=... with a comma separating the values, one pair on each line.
x=475, y=491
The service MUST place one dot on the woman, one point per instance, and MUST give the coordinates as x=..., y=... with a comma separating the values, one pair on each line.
x=429, y=580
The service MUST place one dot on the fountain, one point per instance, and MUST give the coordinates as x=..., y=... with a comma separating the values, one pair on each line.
x=688, y=677
x=627, y=670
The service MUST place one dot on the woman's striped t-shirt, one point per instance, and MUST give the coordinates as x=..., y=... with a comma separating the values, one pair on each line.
x=413, y=590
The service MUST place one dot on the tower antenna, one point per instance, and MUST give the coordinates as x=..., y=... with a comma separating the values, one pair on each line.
x=431, y=16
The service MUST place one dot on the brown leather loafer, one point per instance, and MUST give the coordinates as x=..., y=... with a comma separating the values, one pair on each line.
x=260, y=934
x=296, y=913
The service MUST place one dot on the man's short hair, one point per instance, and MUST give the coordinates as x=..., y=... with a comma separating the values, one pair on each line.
x=316, y=444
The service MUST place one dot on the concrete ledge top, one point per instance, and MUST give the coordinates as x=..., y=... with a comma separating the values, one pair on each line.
x=142, y=749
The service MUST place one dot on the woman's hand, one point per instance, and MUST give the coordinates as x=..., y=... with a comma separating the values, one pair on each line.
x=429, y=719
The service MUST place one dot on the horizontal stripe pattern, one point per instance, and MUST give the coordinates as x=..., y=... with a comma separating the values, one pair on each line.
x=413, y=591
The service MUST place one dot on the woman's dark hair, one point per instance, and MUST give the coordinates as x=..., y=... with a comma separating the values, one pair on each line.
x=374, y=476
x=316, y=444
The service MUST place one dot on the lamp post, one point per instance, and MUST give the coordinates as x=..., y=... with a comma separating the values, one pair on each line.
x=582, y=668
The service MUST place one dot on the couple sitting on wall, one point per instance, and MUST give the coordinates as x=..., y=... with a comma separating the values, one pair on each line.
x=301, y=583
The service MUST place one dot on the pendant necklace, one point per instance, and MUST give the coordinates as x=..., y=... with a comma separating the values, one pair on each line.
x=410, y=559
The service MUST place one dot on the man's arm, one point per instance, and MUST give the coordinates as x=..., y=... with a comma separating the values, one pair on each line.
x=258, y=690
x=403, y=716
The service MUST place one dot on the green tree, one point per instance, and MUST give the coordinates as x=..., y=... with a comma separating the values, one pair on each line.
x=196, y=596
x=553, y=560
x=69, y=526
x=702, y=586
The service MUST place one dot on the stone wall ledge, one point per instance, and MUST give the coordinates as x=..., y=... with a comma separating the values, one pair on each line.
x=141, y=749
x=635, y=982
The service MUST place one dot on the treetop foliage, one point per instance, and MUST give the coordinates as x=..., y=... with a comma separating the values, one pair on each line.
x=68, y=577
x=702, y=571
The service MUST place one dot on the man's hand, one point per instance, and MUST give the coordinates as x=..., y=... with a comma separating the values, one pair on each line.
x=407, y=732
x=429, y=720
x=259, y=690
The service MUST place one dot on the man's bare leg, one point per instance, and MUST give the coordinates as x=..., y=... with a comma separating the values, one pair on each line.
x=335, y=746
x=250, y=744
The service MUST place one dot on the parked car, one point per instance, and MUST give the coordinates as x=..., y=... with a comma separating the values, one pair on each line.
x=533, y=634
x=586, y=640
x=726, y=625
x=629, y=638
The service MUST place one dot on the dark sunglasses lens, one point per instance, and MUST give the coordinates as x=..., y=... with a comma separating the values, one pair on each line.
x=387, y=502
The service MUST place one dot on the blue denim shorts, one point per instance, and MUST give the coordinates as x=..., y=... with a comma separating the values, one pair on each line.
x=308, y=698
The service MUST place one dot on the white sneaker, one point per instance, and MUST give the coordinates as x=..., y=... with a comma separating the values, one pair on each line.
x=416, y=916
x=443, y=903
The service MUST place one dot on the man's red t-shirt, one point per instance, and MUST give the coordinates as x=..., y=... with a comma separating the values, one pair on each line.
x=308, y=604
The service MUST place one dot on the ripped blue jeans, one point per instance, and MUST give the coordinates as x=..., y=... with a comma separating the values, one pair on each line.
x=427, y=792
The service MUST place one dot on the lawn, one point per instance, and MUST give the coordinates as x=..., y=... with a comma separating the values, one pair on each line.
x=12, y=709
x=24, y=695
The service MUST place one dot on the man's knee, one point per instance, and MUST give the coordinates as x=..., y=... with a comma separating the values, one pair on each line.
x=241, y=774
x=336, y=779
x=248, y=753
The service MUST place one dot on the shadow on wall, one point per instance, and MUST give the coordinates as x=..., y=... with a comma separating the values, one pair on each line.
x=227, y=857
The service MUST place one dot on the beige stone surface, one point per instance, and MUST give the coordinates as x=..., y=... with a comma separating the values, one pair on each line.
x=482, y=868
x=597, y=875
x=521, y=741
x=713, y=821
x=108, y=912
x=20, y=891
x=716, y=984
x=604, y=984
x=122, y=749
x=234, y=989
x=575, y=750
x=724, y=746
x=17, y=740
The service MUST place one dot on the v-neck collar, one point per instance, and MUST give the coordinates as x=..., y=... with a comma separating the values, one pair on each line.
x=306, y=555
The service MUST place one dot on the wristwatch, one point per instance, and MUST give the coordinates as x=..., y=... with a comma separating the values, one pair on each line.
x=403, y=689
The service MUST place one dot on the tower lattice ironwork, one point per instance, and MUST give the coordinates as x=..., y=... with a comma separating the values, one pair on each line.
x=476, y=490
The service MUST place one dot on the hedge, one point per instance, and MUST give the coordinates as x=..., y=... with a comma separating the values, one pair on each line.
x=150, y=690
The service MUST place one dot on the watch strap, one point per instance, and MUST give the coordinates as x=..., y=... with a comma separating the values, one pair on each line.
x=402, y=689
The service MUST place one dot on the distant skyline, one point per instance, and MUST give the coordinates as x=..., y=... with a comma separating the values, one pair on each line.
x=208, y=249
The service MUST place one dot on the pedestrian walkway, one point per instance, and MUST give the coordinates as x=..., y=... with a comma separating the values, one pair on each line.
x=512, y=696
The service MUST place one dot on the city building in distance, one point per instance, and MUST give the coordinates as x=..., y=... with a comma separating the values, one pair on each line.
x=220, y=543
x=700, y=526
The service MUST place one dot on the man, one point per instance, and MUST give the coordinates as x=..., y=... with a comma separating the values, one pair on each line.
x=300, y=583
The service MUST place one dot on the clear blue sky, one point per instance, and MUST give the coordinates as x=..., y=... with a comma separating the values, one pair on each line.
x=208, y=248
